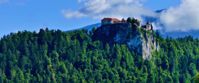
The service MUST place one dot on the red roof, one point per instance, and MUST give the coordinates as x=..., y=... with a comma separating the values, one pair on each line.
x=111, y=19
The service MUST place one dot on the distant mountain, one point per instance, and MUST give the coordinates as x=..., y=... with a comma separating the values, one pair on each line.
x=160, y=11
x=181, y=34
x=90, y=27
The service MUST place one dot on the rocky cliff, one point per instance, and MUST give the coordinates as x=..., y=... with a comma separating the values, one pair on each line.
x=137, y=39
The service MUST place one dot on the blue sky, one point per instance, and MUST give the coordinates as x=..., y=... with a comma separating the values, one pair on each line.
x=18, y=15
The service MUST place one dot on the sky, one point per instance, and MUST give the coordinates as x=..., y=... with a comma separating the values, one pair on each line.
x=31, y=15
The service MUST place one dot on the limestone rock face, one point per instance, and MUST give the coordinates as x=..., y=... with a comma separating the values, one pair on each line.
x=138, y=40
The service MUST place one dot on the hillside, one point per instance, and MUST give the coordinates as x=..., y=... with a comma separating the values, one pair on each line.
x=81, y=57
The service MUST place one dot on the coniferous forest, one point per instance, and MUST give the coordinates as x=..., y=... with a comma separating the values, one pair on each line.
x=54, y=56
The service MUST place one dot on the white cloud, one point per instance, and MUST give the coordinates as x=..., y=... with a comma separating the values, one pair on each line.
x=110, y=8
x=184, y=17
x=74, y=14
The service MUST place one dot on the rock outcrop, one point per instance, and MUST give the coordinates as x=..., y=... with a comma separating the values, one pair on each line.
x=137, y=39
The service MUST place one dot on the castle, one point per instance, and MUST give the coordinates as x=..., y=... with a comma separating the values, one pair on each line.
x=135, y=22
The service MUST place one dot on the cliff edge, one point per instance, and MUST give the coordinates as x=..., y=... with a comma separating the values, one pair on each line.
x=138, y=38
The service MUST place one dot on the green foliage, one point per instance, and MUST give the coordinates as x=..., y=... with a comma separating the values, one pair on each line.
x=196, y=78
x=134, y=22
x=72, y=57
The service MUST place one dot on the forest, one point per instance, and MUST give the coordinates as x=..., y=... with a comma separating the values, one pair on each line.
x=55, y=56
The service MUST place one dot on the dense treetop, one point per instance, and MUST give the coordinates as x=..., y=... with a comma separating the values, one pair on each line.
x=73, y=57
